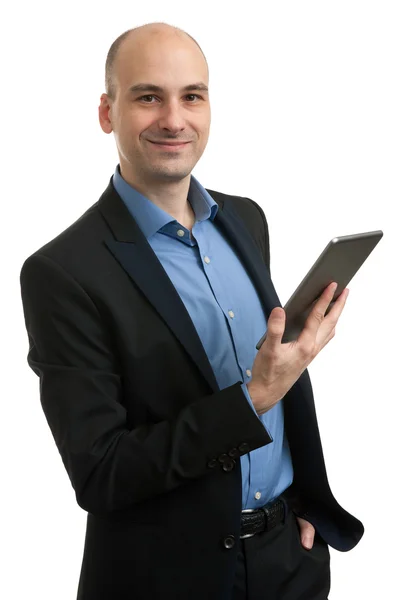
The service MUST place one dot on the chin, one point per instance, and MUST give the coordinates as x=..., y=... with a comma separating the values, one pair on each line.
x=171, y=170
x=176, y=175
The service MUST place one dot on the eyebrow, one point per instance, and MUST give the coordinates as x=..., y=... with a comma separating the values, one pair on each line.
x=150, y=87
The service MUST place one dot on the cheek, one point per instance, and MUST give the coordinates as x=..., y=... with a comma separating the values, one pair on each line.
x=205, y=123
x=135, y=124
x=204, y=131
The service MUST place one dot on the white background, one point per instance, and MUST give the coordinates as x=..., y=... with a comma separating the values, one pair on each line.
x=309, y=120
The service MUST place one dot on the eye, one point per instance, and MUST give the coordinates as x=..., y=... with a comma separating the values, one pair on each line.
x=147, y=96
x=152, y=96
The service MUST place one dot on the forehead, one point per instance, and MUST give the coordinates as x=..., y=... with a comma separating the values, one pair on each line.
x=168, y=62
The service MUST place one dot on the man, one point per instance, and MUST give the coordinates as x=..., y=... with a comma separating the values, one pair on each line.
x=197, y=458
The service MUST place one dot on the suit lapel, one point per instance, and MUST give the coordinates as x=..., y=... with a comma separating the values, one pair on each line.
x=137, y=258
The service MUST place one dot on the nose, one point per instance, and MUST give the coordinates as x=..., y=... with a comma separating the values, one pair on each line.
x=172, y=118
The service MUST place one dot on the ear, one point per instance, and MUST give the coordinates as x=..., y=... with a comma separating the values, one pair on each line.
x=105, y=112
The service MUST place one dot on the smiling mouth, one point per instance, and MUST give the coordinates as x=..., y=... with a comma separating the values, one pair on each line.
x=170, y=145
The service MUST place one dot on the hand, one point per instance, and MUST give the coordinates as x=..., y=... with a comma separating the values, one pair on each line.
x=277, y=366
x=307, y=533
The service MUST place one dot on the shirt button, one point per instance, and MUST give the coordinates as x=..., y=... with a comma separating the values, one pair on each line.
x=207, y=260
x=231, y=313
x=180, y=232
x=257, y=495
x=248, y=373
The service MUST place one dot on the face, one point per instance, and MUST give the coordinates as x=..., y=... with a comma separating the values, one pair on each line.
x=175, y=110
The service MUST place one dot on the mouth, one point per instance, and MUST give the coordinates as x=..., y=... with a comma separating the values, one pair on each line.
x=170, y=145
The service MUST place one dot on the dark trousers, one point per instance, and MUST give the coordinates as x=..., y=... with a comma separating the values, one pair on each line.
x=275, y=566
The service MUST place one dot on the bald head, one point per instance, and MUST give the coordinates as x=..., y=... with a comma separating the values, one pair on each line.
x=138, y=36
x=157, y=89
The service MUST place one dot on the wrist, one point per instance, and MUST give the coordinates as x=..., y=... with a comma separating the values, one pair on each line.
x=258, y=397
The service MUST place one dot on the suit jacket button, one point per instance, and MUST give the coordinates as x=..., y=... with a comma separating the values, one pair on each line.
x=223, y=457
x=234, y=453
x=243, y=448
x=229, y=541
x=212, y=463
x=228, y=465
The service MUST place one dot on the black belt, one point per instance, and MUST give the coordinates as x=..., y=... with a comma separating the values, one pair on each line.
x=256, y=520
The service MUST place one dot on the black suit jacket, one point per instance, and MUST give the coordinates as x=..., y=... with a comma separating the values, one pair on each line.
x=138, y=418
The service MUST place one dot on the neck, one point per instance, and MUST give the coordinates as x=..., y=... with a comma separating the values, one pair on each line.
x=172, y=197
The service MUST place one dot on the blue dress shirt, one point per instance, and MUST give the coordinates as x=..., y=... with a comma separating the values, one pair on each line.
x=226, y=312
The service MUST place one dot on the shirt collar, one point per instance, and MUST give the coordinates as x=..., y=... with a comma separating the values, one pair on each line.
x=150, y=217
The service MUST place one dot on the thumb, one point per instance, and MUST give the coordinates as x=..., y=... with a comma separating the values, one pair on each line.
x=307, y=533
x=276, y=326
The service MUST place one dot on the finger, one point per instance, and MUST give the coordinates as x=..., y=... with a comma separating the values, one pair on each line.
x=317, y=314
x=307, y=533
x=337, y=308
x=327, y=330
x=323, y=302
x=275, y=326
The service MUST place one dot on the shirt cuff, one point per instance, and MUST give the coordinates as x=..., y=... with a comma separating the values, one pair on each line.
x=246, y=393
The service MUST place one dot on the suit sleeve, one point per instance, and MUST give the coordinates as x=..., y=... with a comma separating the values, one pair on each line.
x=293, y=494
x=110, y=465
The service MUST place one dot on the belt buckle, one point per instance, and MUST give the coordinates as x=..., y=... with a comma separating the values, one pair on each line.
x=248, y=510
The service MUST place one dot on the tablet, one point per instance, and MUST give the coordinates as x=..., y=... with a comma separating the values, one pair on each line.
x=339, y=262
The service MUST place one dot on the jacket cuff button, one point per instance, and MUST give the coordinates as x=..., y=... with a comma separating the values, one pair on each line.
x=223, y=457
x=228, y=465
x=243, y=447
